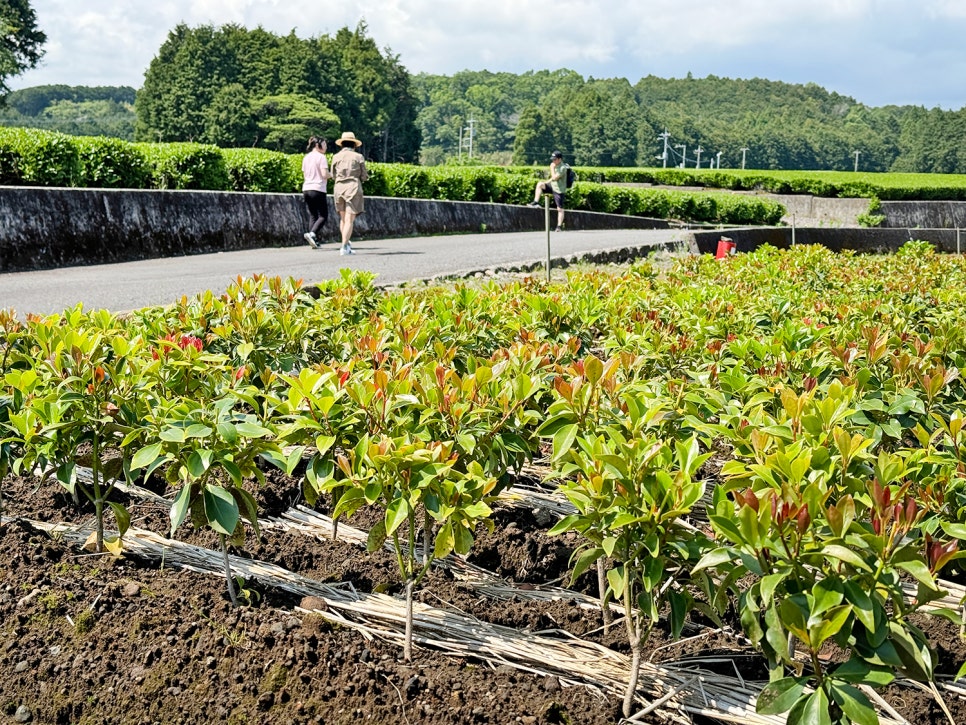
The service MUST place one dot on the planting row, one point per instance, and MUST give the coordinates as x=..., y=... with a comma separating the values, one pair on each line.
x=779, y=434
x=42, y=158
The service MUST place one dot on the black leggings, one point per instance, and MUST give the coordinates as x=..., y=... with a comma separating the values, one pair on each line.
x=318, y=206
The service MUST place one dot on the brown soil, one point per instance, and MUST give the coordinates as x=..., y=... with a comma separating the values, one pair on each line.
x=89, y=639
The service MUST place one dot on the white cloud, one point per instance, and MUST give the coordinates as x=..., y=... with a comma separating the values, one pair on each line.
x=878, y=51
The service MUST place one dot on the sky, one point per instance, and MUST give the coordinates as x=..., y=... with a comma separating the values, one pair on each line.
x=878, y=52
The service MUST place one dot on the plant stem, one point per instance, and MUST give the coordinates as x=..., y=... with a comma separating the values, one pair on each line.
x=602, y=591
x=408, y=644
x=632, y=680
x=335, y=519
x=427, y=523
x=231, y=586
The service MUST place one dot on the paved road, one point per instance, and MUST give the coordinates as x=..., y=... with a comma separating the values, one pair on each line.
x=130, y=285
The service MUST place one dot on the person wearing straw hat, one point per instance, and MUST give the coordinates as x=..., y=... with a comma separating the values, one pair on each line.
x=349, y=171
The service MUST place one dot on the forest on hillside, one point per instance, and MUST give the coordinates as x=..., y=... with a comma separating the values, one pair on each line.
x=236, y=87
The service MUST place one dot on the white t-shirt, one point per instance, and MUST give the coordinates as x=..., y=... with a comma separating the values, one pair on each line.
x=315, y=171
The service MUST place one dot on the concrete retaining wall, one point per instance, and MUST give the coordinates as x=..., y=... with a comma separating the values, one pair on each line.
x=925, y=214
x=45, y=228
x=862, y=240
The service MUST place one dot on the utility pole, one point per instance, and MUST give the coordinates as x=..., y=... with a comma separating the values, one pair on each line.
x=461, y=144
x=471, y=122
x=697, y=164
x=856, y=160
x=743, y=150
x=664, y=136
x=684, y=152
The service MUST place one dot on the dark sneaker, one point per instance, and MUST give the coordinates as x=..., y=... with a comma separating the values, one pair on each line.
x=558, y=229
x=534, y=203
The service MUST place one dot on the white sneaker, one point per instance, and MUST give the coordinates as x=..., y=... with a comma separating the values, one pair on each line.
x=345, y=250
x=310, y=238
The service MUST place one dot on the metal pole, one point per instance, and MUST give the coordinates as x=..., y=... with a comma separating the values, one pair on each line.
x=546, y=222
x=957, y=240
x=793, y=230
x=461, y=142
x=743, y=150
x=856, y=161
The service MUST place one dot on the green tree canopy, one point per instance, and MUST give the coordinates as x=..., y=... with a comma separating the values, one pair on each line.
x=21, y=42
x=285, y=122
x=191, y=90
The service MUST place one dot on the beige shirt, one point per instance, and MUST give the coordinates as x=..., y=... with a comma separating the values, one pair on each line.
x=349, y=171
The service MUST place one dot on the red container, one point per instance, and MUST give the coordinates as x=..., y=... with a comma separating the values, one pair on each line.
x=726, y=247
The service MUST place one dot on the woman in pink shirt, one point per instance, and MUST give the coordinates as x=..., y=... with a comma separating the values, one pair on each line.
x=315, y=172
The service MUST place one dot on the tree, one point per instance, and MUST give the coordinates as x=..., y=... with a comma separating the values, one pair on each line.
x=604, y=119
x=285, y=122
x=196, y=89
x=20, y=40
x=538, y=134
x=230, y=120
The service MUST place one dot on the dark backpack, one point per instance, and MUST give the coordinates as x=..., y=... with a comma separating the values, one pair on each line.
x=571, y=177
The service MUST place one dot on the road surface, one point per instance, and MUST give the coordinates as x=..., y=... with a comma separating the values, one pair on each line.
x=127, y=286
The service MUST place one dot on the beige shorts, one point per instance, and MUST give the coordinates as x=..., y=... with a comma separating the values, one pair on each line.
x=349, y=196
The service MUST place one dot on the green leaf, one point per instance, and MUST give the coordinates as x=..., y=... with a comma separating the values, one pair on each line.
x=617, y=581
x=252, y=430
x=199, y=462
x=445, y=541
x=585, y=560
x=146, y=456
x=834, y=619
x=377, y=537
x=324, y=443
x=122, y=516
x=197, y=430
x=563, y=440
x=180, y=508
x=564, y=525
x=220, y=510
x=842, y=553
x=397, y=512
x=919, y=570
x=247, y=506
x=373, y=491
x=714, y=559
x=815, y=710
x=228, y=433
x=172, y=435
x=593, y=369
x=779, y=696
x=794, y=619
x=464, y=539
x=861, y=603
x=855, y=704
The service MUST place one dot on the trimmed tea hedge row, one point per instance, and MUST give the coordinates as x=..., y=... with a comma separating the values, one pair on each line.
x=43, y=158
x=844, y=184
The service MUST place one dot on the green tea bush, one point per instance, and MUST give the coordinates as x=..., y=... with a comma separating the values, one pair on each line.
x=674, y=177
x=186, y=166
x=411, y=182
x=35, y=157
x=453, y=184
x=111, y=163
x=514, y=188
x=262, y=170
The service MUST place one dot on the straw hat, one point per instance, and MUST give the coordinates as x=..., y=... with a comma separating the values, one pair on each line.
x=349, y=138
